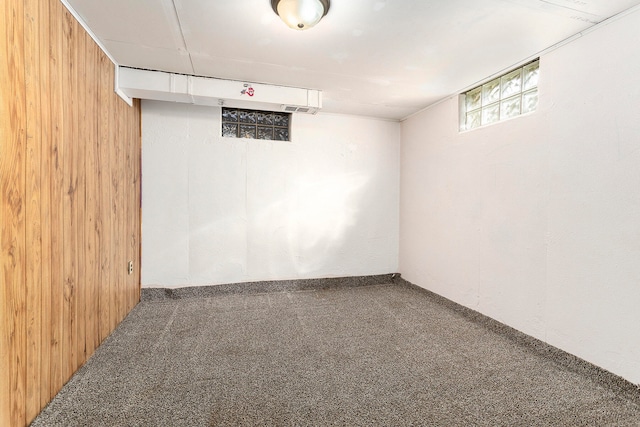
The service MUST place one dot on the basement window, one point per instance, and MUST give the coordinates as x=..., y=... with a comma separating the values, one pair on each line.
x=510, y=95
x=254, y=124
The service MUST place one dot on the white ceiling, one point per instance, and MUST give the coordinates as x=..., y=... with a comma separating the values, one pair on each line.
x=381, y=58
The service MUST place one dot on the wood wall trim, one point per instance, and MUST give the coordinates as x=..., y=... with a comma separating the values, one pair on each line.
x=70, y=203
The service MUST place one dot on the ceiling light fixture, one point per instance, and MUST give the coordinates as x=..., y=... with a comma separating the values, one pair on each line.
x=300, y=14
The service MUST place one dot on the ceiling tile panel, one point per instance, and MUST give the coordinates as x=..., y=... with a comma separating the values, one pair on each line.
x=150, y=23
x=150, y=58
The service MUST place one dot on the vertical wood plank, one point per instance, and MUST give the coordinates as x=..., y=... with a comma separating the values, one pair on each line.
x=124, y=218
x=45, y=205
x=33, y=283
x=129, y=242
x=138, y=177
x=119, y=140
x=69, y=201
x=56, y=182
x=137, y=204
x=104, y=174
x=81, y=283
x=12, y=206
x=115, y=207
x=113, y=212
x=131, y=221
x=92, y=230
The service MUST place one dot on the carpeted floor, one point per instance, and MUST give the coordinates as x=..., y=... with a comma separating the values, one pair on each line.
x=378, y=355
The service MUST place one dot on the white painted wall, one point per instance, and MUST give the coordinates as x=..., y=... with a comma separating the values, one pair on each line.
x=535, y=222
x=218, y=210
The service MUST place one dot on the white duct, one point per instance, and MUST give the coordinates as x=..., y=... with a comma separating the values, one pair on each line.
x=162, y=86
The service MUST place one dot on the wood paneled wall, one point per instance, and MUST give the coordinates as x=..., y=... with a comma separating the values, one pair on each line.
x=70, y=203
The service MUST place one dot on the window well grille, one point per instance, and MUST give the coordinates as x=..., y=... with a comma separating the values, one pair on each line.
x=254, y=124
x=507, y=96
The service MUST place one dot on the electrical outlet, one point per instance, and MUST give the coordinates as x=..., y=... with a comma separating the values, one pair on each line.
x=130, y=267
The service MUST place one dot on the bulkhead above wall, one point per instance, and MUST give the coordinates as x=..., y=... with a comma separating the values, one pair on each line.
x=162, y=86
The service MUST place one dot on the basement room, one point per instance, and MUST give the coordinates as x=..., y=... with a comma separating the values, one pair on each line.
x=320, y=213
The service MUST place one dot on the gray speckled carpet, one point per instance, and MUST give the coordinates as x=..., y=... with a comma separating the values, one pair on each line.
x=377, y=355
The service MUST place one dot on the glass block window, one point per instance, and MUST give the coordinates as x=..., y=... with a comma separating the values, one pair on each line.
x=507, y=96
x=239, y=123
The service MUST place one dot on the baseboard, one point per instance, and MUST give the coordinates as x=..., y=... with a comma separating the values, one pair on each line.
x=573, y=363
x=157, y=294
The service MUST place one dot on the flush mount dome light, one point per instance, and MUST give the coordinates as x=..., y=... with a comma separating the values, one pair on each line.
x=300, y=14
